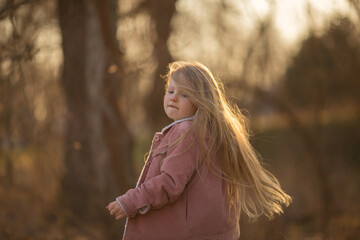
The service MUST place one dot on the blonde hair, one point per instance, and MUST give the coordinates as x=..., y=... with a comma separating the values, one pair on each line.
x=221, y=129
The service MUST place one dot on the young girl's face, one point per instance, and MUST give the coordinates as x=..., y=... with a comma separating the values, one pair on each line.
x=177, y=105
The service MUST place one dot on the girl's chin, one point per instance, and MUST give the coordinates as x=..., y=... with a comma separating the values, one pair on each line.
x=171, y=114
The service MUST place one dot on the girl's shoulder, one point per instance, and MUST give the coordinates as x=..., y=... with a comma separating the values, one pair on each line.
x=182, y=126
x=178, y=130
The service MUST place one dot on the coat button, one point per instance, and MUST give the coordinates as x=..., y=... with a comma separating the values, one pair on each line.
x=156, y=138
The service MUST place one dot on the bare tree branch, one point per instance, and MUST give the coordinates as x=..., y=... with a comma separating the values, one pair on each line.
x=10, y=6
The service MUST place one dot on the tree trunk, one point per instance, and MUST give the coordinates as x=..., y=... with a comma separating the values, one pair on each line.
x=98, y=144
x=161, y=12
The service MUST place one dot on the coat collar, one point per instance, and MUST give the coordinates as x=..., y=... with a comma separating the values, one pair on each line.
x=178, y=121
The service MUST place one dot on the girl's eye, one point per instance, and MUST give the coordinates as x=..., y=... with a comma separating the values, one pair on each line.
x=183, y=95
x=169, y=91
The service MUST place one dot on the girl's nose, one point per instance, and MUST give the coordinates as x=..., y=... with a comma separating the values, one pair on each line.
x=174, y=98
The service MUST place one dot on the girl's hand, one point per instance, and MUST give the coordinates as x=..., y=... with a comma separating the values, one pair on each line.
x=115, y=210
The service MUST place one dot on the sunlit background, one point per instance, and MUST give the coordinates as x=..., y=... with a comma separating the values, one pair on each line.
x=81, y=92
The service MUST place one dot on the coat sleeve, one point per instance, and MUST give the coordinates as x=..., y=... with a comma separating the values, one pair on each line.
x=178, y=167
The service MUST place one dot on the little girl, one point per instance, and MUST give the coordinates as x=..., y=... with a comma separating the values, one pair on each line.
x=201, y=171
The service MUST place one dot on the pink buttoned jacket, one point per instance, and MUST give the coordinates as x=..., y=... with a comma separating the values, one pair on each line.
x=176, y=197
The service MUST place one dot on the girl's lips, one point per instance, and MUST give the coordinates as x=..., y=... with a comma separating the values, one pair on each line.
x=172, y=106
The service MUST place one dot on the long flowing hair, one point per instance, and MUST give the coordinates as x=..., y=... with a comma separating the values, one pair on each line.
x=221, y=129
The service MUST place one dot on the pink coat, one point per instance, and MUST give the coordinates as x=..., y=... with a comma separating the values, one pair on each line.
x=172, y=199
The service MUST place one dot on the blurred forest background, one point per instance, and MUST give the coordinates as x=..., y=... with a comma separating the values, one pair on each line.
x=81, y=96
